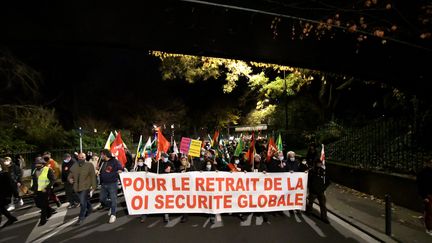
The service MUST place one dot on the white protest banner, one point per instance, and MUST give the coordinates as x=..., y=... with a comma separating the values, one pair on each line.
x=213, y=192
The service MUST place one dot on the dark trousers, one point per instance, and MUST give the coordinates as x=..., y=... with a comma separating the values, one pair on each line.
x=4, y=211
x=15, y=192
x=109, y=190
x=41, y=201
x=53, y=196
x=86, y=207
x=428, y=213
x=322, y=203
x=72, y=197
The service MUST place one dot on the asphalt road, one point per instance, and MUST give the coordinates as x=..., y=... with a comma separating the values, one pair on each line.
x=283, y=228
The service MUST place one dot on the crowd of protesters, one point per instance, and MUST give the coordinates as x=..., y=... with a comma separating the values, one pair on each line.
x=81, y=174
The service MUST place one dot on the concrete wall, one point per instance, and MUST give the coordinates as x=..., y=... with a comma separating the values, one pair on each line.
x=402, y=189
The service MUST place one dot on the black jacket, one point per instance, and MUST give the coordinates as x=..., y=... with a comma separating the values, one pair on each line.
x=318, y=181
x=6, y=188
x=424, y=182
x=15, y=173
x=66, y=169
x=274, y=165
x=293, y=166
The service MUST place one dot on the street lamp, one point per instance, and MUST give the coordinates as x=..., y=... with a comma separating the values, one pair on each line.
x=80, y=135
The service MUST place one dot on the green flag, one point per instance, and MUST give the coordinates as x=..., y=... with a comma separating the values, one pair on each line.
x=279, y=143
x=109, y=141
x=239, y=148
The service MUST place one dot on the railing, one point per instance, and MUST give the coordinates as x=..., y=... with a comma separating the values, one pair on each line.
x=390, y=145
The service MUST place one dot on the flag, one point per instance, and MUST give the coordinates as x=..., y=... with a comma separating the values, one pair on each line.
x=214, y=141
x=115, y=133
x=251, y=151
x=239, y=148
x=117, y=149
x=148, y=149
x=271, y=147
x=175, y=149
x=279, y=143
x=162, y=144
x=322, y=158
x=140, y=149
x=109, y=141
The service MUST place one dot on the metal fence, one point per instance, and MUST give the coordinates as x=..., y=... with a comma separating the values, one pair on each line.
x=391, y=145
x=56, y=154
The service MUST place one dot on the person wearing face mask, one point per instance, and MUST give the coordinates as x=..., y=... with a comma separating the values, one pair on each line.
x=82, y=176
x=207, y=167
x=142, y=166
x=109, y=176
x=317, y=184
x=303, y=166
x=5, y=195
x=71, y=196
x=260, y=166
x=185, y=166
x=15, y=174
x=292, y=163
x=42, y=180
x=277, y=162
x=165, y=166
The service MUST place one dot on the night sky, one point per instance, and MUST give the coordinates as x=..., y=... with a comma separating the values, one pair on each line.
x=94, y=58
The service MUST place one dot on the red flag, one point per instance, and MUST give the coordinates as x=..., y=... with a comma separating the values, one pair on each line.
x=214, y=142
x=163, y=144
x=251, y=152
x=322, y=158
x=117, y=149
x=271, y=147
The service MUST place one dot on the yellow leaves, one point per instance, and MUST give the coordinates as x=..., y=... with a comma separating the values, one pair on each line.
x=379, y=33
x=426, y=35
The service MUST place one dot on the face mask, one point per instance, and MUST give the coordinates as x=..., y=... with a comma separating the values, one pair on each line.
x=46, y=159
x=7, y=162
x=281, y=158
x=304, y=162
x=208, y=167
x=140, y=163
x=202, y=153
x=81, y=161
x=292, y=159
x=66, y=160
x=165, y=159
x=237, y=161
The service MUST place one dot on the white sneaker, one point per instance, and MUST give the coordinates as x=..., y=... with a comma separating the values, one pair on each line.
x=112, y=219
x=11, y=207
x=21, y=202
x=429, y=232
x=109, y=212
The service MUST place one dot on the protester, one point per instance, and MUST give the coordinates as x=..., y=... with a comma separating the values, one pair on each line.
x=424, y=183
x=71, y=196
x=165, y=166
x=311, y=155
x=20, y=161
x=7, y=189
x=82, y=176
x=185, y=166
x=42, y=180
x=51, y=163
x=260, y=166
x=209, y=166
x=303, y=167
x=317, y=184
x=277, y=162
x=129, y=160
x=141, y=166
x=110, y=168
x=15, y=174
x=292, y=164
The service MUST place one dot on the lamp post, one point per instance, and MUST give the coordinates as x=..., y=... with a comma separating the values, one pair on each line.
x=286, y=109
x=80, y=137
